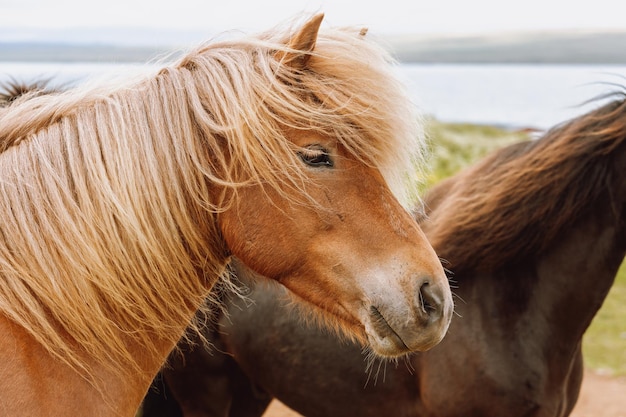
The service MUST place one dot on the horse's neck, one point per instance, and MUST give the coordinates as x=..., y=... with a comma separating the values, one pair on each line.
x=518, y=331
x=565, y=284
x=537, y=311
x=576, y=275
x=34, y=383
x=577, y=271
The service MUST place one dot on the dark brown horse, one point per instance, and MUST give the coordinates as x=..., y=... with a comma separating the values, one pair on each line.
x=534, y=234
x=13, y=89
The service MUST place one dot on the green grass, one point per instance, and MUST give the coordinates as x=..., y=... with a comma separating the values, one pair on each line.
x=604, y=343
x=455, y=146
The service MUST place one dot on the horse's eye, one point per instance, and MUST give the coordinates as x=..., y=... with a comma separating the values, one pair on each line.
x=316, y=156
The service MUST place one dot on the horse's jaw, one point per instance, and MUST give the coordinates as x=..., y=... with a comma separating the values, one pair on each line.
x=390, y=310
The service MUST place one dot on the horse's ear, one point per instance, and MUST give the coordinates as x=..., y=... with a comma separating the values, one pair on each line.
x=302, y=43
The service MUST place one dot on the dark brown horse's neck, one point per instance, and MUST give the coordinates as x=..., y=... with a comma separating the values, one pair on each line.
x=578, y=270
x=552, y=298
x=525, y=322
x=576, y=276
x=564, y=285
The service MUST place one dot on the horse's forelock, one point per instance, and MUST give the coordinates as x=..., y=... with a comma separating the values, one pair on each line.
x=347, y=90
x=355, y=78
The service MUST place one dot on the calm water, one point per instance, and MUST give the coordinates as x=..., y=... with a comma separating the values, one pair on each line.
x=516, y=95
x=512, y=95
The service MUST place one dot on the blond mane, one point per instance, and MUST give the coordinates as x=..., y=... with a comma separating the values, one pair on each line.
x=109, y=194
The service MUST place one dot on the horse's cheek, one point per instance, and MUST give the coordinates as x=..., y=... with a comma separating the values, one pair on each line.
x=268, y=241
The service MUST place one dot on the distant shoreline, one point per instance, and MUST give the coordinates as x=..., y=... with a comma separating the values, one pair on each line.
x=538, y=48
x=60, y=52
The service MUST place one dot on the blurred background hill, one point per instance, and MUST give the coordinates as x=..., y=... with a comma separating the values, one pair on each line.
x=538, y=47
x=134, y=45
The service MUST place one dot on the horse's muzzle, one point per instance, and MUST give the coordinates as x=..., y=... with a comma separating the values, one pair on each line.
x=394, y=329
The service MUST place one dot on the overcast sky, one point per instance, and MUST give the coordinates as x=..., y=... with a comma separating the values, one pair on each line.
x=382, y=16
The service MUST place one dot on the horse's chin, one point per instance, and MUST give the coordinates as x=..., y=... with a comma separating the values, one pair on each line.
x=384, y=341
x=390, y=344
x=387, y=342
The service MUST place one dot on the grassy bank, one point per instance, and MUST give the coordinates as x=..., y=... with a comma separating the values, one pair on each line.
x=604, y=344
x=455, y=146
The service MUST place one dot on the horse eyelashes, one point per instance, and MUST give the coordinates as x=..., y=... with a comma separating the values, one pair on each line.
x=316, y=156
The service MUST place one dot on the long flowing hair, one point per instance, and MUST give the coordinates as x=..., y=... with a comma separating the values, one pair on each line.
x=516, y=202
x=109, y=193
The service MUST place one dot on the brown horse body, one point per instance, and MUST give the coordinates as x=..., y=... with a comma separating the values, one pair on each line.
x=534, y=236
x=121, y=209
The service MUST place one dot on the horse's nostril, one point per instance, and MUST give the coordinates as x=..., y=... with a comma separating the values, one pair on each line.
x=428, y=301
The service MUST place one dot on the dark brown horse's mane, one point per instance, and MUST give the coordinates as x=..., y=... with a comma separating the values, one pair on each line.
x=516, y=202
x=13, y=89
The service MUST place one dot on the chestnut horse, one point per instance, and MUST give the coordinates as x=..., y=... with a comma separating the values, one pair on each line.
x=534, y=234
x=122, y=206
